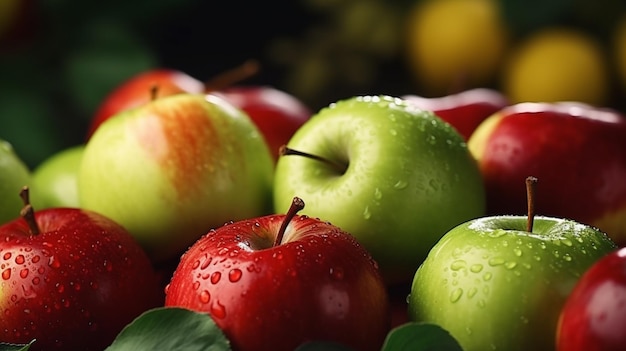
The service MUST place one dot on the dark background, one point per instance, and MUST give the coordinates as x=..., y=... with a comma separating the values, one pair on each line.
x=61, y=57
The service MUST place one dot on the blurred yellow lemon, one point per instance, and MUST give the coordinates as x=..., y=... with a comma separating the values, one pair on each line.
x=557, y=64
x=455, y=44
x=619, y=50
x=8, y=12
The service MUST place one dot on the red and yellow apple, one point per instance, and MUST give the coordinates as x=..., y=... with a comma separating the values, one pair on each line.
x=578, y=153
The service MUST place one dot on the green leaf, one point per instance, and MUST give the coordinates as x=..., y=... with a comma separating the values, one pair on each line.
x=15, y=347
x=416, y=336
x=171, y=329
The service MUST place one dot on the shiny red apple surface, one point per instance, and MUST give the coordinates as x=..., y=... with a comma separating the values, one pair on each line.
x=577, y=152
x=464, y=110
x=275, y=112
x=74, y=284
x=594, y=315
x=317, y=283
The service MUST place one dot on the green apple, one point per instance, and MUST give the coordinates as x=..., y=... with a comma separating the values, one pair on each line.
x=54, y=180
x=394, y=176
x=174, y=168
x=494, y=285
x=14, y=174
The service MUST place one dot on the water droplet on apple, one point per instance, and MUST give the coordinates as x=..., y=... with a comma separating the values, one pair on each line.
x=567, y=242
x=14, y=298
x=487, y=276
x=476, y=268
x=234, y=275
x=218, y=310
x=336, y=273
x=36, y=280
x=366, y=213
x=472, y=292
x=567, y=257
x=196, y=285
x=458, y=265
x=7, y=255
x=6, y=274
x=510, y=265
x=495, y=261
x=431, y=139
x=456, y=294
x=517, y=251
x=277, y=255
x=215, y=277
x=378, y=194
x=205, y=296
x=24, y=273
x=400, y=184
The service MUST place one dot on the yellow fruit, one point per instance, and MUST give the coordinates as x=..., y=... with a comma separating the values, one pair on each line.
x=557, y=64
x=455, y=44
x=8, y=12
x=619, y=50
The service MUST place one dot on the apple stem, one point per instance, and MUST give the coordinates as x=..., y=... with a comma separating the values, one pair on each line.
x=154, y=92
x=296, y=205
x=28, y=213
x=286, y=151
x=228, y=78
x=531, y=183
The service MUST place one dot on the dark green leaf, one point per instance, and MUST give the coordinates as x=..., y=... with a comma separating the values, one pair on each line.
x=15, y=347
x=322, y=346
x=416, y=336
x=171, y=329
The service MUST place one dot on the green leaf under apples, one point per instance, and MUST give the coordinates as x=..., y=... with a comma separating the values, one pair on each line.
x=171, y=328
x=419, y=336
x=15, y=347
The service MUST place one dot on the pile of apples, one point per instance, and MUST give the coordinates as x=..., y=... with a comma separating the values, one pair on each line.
x=337, y=229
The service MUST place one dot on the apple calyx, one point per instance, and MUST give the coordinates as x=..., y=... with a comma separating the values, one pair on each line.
x=287, y=151
x=297, y=204
x=28, y=213
x=531, y=184
x=232, y=76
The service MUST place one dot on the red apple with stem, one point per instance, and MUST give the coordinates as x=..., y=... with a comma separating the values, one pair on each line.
x=578, y=152
x=278, y=281
x=71, y=279
x=594, y=315
x=275, y=112
x=464, y=110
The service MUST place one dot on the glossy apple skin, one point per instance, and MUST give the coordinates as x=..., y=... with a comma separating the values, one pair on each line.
x=594, y=316
x=174, y=168
x=14, y=174
x=75, y=285
x=495, y=286
x=137, y=90
x=578, y=154
x=410, y=178
x=276, y=113
x=54, y=180
x=318, y=284
x=464, y=110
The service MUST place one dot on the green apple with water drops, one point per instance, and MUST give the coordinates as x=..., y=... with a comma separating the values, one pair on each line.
x=54, y=180
x=496, y=285
x=14, y=174
x=394, y=176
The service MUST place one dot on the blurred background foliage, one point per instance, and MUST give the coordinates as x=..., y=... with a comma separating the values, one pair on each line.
x=59, y=58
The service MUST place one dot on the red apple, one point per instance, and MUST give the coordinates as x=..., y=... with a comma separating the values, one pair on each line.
x=71, y=279
x=594, y=315
x=277, y=281
x=464, y=110
x=275, y=112
x=137, y=91
x=578, y=152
